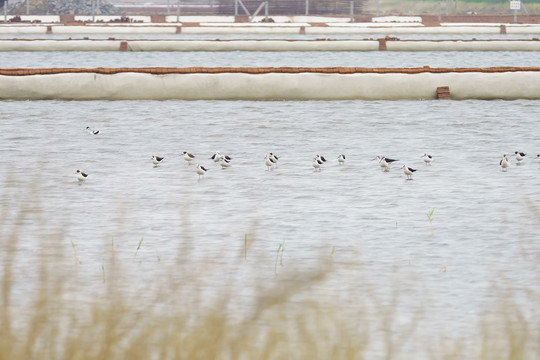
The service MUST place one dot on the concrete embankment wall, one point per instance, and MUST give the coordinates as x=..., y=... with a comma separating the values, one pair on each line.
x=268, y=83
x=269, y=45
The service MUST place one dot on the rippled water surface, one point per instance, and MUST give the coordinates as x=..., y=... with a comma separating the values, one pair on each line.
x=483, y=220
x=268, y=59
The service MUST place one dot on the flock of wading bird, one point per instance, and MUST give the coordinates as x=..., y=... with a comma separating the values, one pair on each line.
x=271, y=161
x=505, y=163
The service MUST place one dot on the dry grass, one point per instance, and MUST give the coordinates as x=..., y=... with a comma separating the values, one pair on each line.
x=49, y=309
x=413, y=7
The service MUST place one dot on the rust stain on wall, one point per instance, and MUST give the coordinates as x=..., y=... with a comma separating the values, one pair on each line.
x=263, y=70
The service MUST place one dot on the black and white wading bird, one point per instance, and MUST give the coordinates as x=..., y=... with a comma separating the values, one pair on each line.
x=408, y=171
x=273, y=159
x=216, y=156
x=200, y=170
x=92, y=132
x=519, y=156
x=188, y=157
x=81, y=176
x=504, y=163
x=427, y=159
x=268, y=162
x=226, y=157
x=341, y=158
x=538, y=158
x=156, y=160
x=225, y=161
x=385, y=162
x=321, y=158
x=317, y=163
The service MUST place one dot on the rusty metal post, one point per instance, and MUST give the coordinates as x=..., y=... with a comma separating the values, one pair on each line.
x=443, y=93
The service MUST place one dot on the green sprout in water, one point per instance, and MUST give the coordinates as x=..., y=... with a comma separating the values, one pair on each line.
x=138, y=247
x=430, y=217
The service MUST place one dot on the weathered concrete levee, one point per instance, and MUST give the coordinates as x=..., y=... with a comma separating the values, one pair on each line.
x=270, y=83
x=388, y=44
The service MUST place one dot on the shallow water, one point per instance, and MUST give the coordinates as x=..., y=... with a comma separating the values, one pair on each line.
x=85, y=59
x=481, y=225
x=374, y=223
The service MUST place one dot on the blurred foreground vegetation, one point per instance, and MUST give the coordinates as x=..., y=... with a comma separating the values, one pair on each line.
x=52, y=307
x=454, y=7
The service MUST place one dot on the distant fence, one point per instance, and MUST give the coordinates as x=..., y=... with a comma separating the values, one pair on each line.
x=210, y=7
x=292, y=7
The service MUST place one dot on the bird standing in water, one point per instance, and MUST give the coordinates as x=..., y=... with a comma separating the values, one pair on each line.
x=273, y=158
x=81, y=176
x=224, y=162
x=156, y=160
x=385, y=162
x=408, y=171
x=268, y=162
x=504, y=163
x=519, y=156
x=200, y=170
x=92, y=132
x=188, y=157
x=317, y=163
x=427, y=159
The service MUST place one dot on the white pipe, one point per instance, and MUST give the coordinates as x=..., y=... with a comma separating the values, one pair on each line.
x=384, y=30
x=253, y=45
x=60, y=45
x=269, y=45
x=271, y=86
x=269, y=28
x=244, y=30
x=460, y=45
x=23, y=30
x=67, y=30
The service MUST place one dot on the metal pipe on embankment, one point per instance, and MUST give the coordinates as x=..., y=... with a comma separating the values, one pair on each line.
x=269, y=83
x=391, y=44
